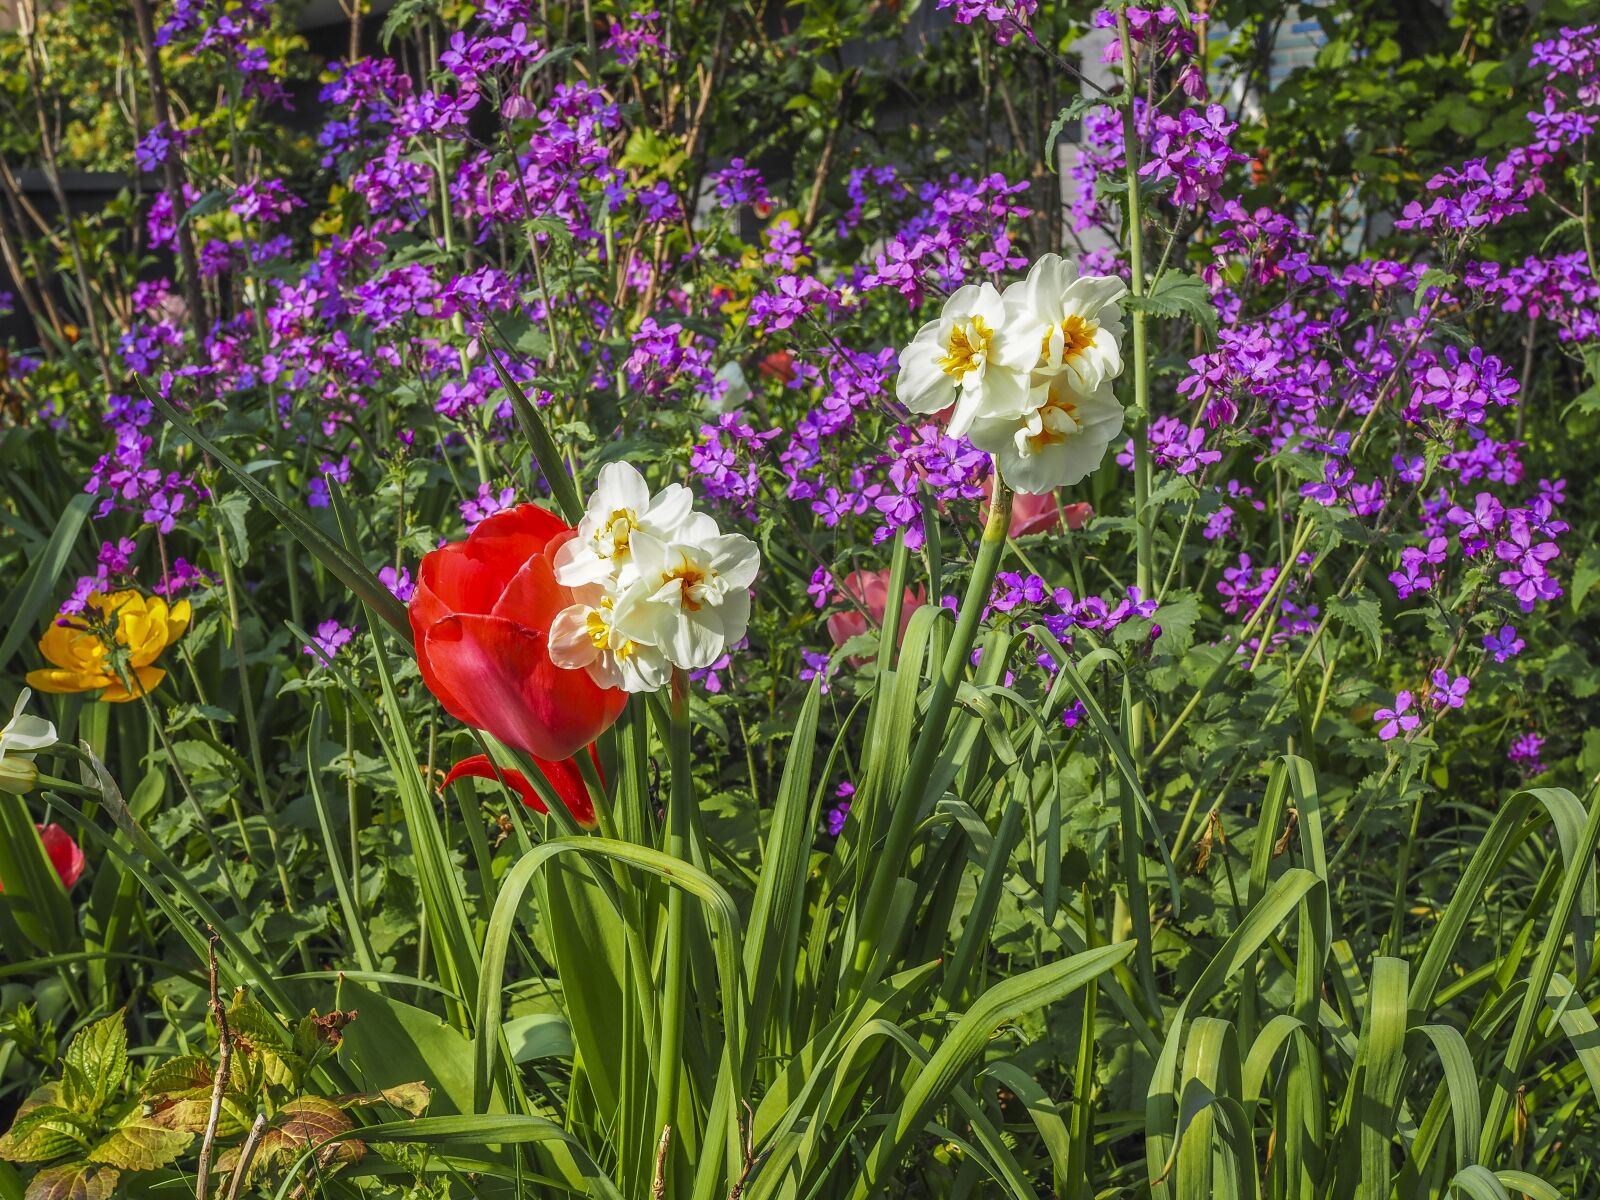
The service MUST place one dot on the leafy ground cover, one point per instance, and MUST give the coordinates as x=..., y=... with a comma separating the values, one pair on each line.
x=620, y=602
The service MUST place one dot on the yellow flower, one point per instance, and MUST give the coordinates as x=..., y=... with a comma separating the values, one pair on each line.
x=145, y=626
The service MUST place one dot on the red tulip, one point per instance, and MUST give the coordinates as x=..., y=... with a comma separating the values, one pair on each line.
x=871, y=591
x=481, y=621
x=63, y=853
x=563, y=776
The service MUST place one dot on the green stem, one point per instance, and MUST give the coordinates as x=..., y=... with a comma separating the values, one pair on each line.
x=675, y=968
x=1143, y=533
x=941, y=699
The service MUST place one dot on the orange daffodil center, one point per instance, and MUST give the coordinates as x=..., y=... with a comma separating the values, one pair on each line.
x=678, y=596
x=1025, y=374
x=113, y=643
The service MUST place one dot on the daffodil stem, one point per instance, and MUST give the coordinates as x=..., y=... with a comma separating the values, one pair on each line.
x=1143, y=517
x=890, y=858
x=675, y=968
x=66, y=785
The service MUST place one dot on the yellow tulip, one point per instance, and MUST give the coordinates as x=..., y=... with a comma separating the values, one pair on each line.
x=145, y=626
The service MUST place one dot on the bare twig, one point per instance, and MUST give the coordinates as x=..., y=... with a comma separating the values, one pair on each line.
x=747, y=1135
x=224, y=1060
x=247, y=1154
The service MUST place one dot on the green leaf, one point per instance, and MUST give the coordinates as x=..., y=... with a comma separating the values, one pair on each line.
x=99, y=1057
x=1360, y=612
x=410, y=1098
x=232, y=509
x=1077, y=110
x=1177, y=618
x=75, y=1181
x=1584, y=576
x=138, y=1144
x=1001, y=1005
x=44, y=1128
x=1178, y=294
x=1433, y=277
x=20, y=618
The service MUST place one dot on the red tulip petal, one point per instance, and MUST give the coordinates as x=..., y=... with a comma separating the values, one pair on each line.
x=64, y=853
x=516, y=692
x=533, y=597
x=508, y=539
x=468, y=577
x=562, y=776
x=479, y=766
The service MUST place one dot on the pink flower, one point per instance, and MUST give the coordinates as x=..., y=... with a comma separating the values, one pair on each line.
x=871, y=590
x=1039, y=514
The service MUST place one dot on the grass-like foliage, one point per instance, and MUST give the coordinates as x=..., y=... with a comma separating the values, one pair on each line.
x=812, y=601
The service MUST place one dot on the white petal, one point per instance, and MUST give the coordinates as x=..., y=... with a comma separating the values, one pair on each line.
x=1092, y=294
x=569, y=641
x=735, y=558
x=669, y=510
x=619, y=486
x=922, y=386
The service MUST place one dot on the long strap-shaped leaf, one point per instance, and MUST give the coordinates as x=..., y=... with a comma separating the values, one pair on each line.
x=721, y=1136
x=1161, y=1107
x=475, y=1132
x=344, y=565
x=19, y=614
x=540, y=442
x=1000, y=1005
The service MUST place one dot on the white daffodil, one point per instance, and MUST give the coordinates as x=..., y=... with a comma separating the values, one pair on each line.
x=22, y=738
x=619, y=507
x=691, y=596
x=1081, y=316
x=1059, y=442
x=584, y=637
x=976, y=356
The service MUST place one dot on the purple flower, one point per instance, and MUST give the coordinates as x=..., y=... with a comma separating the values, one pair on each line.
x=1399, y=719
x=1525, y=753
x=839, y=811
x=331, y=637
x=1479, y=525
x=1448, y=692
x=487, y=503
x=1506, y=644
x=816, y=667
x=398, y=582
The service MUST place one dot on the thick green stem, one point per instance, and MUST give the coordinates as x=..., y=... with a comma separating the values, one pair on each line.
x=675, y=972
x=891, y=858
x=1144, y=551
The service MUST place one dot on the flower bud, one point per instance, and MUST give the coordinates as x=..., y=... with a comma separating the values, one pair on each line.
x=17, y=775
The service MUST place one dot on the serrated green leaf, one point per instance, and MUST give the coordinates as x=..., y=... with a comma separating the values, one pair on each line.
x=44, y=1129
x=96, y=1062
x=139, y=1144
x=1178, y=294
x=1433, y=277
x=75, y=1181
x=1360, y=612
x=1177, y=618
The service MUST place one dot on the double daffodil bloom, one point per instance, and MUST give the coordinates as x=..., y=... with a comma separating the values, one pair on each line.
x=144, y=627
